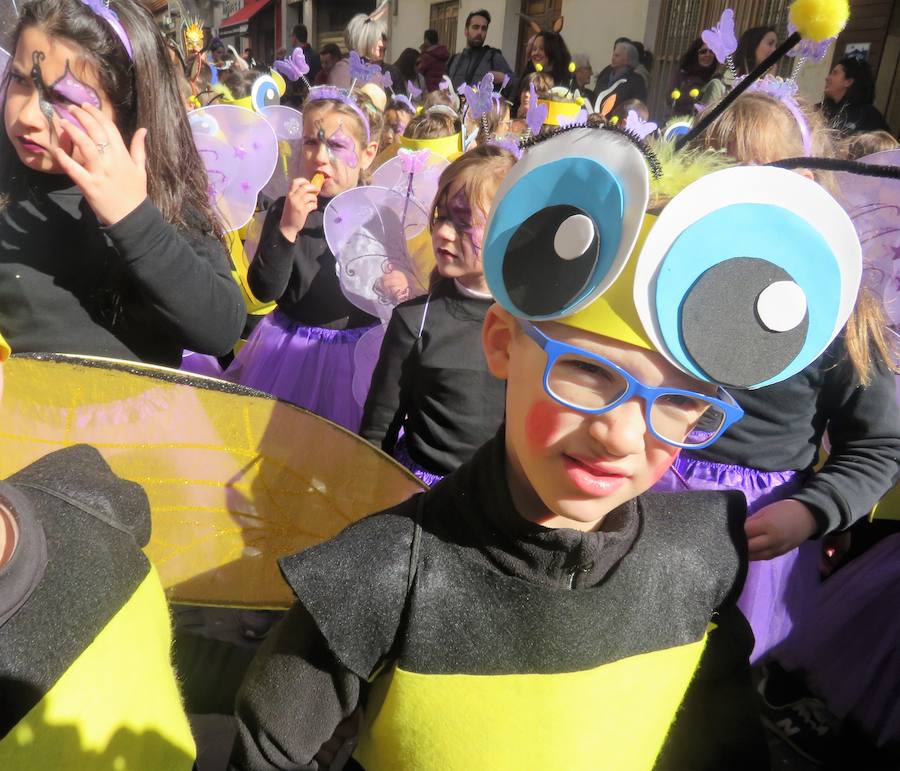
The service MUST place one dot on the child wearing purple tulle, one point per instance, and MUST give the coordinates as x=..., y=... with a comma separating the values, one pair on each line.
x=304, y=351
x=432, y=379
x=849, y=391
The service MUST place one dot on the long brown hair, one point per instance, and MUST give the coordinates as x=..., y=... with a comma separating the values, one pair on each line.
x=143, y=92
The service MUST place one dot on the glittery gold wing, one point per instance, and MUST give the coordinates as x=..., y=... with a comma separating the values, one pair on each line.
x=235, y=479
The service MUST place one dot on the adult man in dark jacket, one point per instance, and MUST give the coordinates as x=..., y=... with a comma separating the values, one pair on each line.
x=477, y=59
x=433, y=61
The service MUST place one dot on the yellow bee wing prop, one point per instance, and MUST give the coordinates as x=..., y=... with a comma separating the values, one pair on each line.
x=235, y=479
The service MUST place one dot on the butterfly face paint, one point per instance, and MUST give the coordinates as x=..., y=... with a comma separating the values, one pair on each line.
x=340, y=147
x=69, y=90
x=44, y=103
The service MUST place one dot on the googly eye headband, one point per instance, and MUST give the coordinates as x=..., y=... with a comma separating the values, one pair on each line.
x=742, y=280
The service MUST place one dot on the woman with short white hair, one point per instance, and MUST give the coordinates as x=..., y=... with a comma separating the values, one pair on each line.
x=367, y=35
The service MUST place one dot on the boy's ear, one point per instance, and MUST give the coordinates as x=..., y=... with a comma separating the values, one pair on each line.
x=496, y=339
x=368, y=155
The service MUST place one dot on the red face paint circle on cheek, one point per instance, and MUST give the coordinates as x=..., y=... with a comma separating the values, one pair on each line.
x=542, y=424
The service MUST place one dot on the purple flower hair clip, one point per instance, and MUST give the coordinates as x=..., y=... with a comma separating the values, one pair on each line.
x=721, y=38
x=507, y=144
x=318, y=93
x=293, y=67
x=405, y=101
x=537, y=113
x=479, y=99
x=413, y=90
x=103, y=10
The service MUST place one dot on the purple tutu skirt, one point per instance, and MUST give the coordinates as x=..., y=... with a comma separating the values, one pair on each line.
x=201, y=364
x=311, y=367
x=848, y=642
x=401, y=455
x=777, y=591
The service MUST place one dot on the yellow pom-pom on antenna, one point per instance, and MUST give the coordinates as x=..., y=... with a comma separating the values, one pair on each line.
x=819, y=20
x=538, y=67
x=572, y=67
x=694, y=93
x=614, y=120
x=579, y=101
x=676, y=95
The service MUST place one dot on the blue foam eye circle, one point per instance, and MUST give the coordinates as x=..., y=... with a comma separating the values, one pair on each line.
x=574, y=181
x=761, y=231
x=264, y=92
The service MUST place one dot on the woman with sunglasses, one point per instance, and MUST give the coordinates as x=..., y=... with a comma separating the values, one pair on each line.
x=695, y=70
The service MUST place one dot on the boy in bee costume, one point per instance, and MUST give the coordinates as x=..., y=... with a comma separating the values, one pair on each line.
x=538, y=608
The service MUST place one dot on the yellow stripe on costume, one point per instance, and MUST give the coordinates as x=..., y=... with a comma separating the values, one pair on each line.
x=4, y=350
x=117, y=706
x=614, y=717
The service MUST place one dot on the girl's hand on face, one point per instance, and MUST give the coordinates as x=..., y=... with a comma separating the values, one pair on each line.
x=112, y=176
x=302, y=198
x=777, y=528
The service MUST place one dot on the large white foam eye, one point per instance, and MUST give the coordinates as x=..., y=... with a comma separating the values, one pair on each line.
x=747, y=276
x=564, y=222
x=264, y=92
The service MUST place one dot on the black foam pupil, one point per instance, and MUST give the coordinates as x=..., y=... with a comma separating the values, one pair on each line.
x=722, y=332
x=538, y=281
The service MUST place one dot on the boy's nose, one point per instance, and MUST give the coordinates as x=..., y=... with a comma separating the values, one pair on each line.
x=622, y=430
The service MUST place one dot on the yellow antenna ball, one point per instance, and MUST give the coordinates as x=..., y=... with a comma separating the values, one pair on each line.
x=614, y=120
x=694, y=93
x=579, y=100
x=572, y=67
x=676, y=95
x=819, y=20
x=538, y=67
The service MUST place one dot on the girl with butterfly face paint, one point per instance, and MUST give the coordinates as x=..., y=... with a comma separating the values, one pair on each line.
x=431, y=372
x=107, y=224
x=304, y=351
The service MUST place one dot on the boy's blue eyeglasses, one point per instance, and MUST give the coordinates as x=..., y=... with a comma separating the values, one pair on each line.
x=588, y=383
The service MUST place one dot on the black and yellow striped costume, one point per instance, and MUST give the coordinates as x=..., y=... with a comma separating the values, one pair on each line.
x=482, y=641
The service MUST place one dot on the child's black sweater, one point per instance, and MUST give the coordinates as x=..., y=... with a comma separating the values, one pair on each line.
x=140, y=289
x=456, y=583
x=302, y=276
x=452, y=403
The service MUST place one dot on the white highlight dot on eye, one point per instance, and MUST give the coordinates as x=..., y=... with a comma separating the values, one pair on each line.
x=781, y=306
x=573, y=236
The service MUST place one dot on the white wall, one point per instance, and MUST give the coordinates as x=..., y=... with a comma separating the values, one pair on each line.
x=407, y=26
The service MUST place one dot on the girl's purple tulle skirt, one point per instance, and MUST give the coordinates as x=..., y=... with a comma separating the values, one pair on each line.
x=777, y=591
x=201, y=364
x=311, y=367
x=847, y=643
x=401, y=455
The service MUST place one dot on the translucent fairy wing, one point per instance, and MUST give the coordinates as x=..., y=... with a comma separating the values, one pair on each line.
x=367, y=229
x=365, y=357
x=873, y=204
x=239, y=150
x=425, y=183
x=254, y=232
x=235, y=479
x=287, y=123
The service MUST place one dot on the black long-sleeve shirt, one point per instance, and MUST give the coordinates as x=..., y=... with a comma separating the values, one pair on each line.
x=783, y=427
x=140, y=289
x=302, y=276
x=481, y=591
x=452, y=403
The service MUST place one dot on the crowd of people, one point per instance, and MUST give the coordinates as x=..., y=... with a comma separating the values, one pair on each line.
x=648, y=379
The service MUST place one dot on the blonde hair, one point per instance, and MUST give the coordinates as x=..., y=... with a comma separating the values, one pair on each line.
x=431, y=125
x=363, y=34
x=865, y=143
x=481, y=170
x=759, y=129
